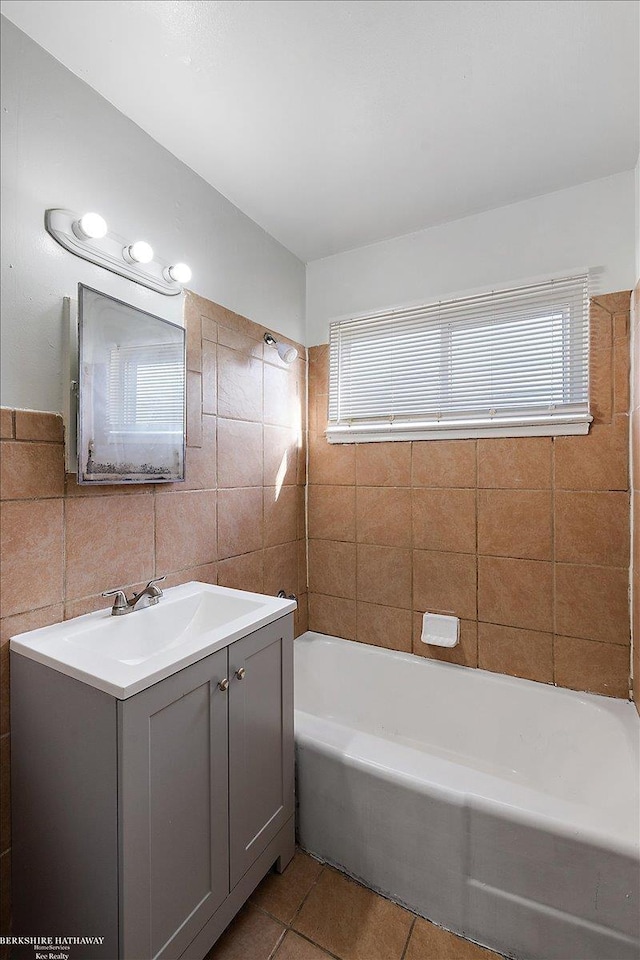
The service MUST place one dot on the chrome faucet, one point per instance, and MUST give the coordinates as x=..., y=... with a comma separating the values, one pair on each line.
x=121, y=605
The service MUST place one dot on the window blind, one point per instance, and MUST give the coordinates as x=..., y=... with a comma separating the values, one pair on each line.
x=146, y=388
x=507, y=363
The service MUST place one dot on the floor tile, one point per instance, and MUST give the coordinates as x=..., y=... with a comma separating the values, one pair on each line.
x=281, y=894
x=251, y=936
x=352, y=922
x=294, y=947
x=428, y=942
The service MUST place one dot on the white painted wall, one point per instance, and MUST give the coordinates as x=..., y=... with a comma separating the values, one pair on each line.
x=591, y=225
x=65, y=146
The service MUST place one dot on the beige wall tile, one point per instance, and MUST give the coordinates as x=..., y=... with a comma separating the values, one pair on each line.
x=301, y=615
x=597, y=461
x=332, y=568
x=444, y=520
x=185, y=530
x=193, y=325
x=201, y=462
x=245, y=572
x=464, y=653
x=444, y=463
x=239, y=385
x=515, y=523
x=331, y=462
x=194, y=409
x=242, y=342
x=592, y=666
x=332, y=512
x=381, y=626
x=519, y=653
x=621, y=364
x=592, y=528
x=383, y=464
x=7, y=431
x=280, y=515
x=333, y=616
x=384, y=575
x=444, y=583
x=383, y=515
x=600, y=364
x=515, y=462
x=516, y=593
x=204, y=573
x=110, y=542
x=33, y=425
x=281, y=400
x=31, y=548
x=280, y=455
x=240, y=522
x=281, y=569
x=592, y=602
x=31, y=470
x=240, y=462
x=209, y=377
x=617, y=302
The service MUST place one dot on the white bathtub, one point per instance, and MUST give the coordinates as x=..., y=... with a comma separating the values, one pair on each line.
x=502, y=809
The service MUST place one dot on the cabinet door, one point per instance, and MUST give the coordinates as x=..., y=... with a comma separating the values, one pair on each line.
x=260, y=741
x=173, y=810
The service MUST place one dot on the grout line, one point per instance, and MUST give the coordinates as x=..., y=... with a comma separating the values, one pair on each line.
x=406, y=946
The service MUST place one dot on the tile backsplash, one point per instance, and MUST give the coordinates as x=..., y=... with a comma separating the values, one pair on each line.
x=238, y=520
x=525, y=539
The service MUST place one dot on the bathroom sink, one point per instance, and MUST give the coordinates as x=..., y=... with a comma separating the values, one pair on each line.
x=123, y=655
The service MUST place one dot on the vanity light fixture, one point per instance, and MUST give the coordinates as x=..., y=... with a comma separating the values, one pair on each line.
x=138, y=252
x=89, y=237
x=90, y=226
x=179, y=272
x=285, y=351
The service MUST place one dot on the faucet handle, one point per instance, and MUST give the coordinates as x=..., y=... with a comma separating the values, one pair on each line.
x=120, y=603
x=156, y=592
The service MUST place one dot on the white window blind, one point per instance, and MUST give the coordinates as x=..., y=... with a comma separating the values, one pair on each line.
x=146, y=389
x=512, y=362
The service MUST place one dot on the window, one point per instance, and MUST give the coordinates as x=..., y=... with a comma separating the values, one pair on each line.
x=146, y=389
x=508, y=363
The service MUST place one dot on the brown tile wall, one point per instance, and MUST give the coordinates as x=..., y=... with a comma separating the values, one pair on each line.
x=238, y=520
x=526, y=540
x=635, y=492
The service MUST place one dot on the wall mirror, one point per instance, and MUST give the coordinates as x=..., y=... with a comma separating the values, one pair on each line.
x=131, y=393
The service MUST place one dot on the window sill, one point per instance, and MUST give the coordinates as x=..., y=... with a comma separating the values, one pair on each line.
x=452, y=430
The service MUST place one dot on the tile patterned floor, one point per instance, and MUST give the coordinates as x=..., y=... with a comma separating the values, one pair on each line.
x=313, y=912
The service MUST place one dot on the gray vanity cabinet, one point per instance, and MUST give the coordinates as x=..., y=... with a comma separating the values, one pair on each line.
x=173, y=809
x=260, y=745
x=193, y=799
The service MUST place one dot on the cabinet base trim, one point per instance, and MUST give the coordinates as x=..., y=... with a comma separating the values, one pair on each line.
x=282, y=848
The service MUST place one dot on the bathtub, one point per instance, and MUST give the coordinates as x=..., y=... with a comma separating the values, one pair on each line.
x=502, y=809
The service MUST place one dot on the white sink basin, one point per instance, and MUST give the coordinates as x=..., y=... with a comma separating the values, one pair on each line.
x=123, y=655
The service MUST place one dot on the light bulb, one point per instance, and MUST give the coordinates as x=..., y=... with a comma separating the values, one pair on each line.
x=287, y=353
x=138, y=252
x=180, y=272
x=90, y=226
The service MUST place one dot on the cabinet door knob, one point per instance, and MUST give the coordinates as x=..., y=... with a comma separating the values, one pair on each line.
x=241, y=673
x=223, y=684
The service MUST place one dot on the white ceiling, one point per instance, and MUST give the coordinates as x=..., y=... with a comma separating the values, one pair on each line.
x=336, y=123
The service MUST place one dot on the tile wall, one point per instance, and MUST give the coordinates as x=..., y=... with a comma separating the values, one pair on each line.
x=635, y=490
x=526, y=540
x=238, y=520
